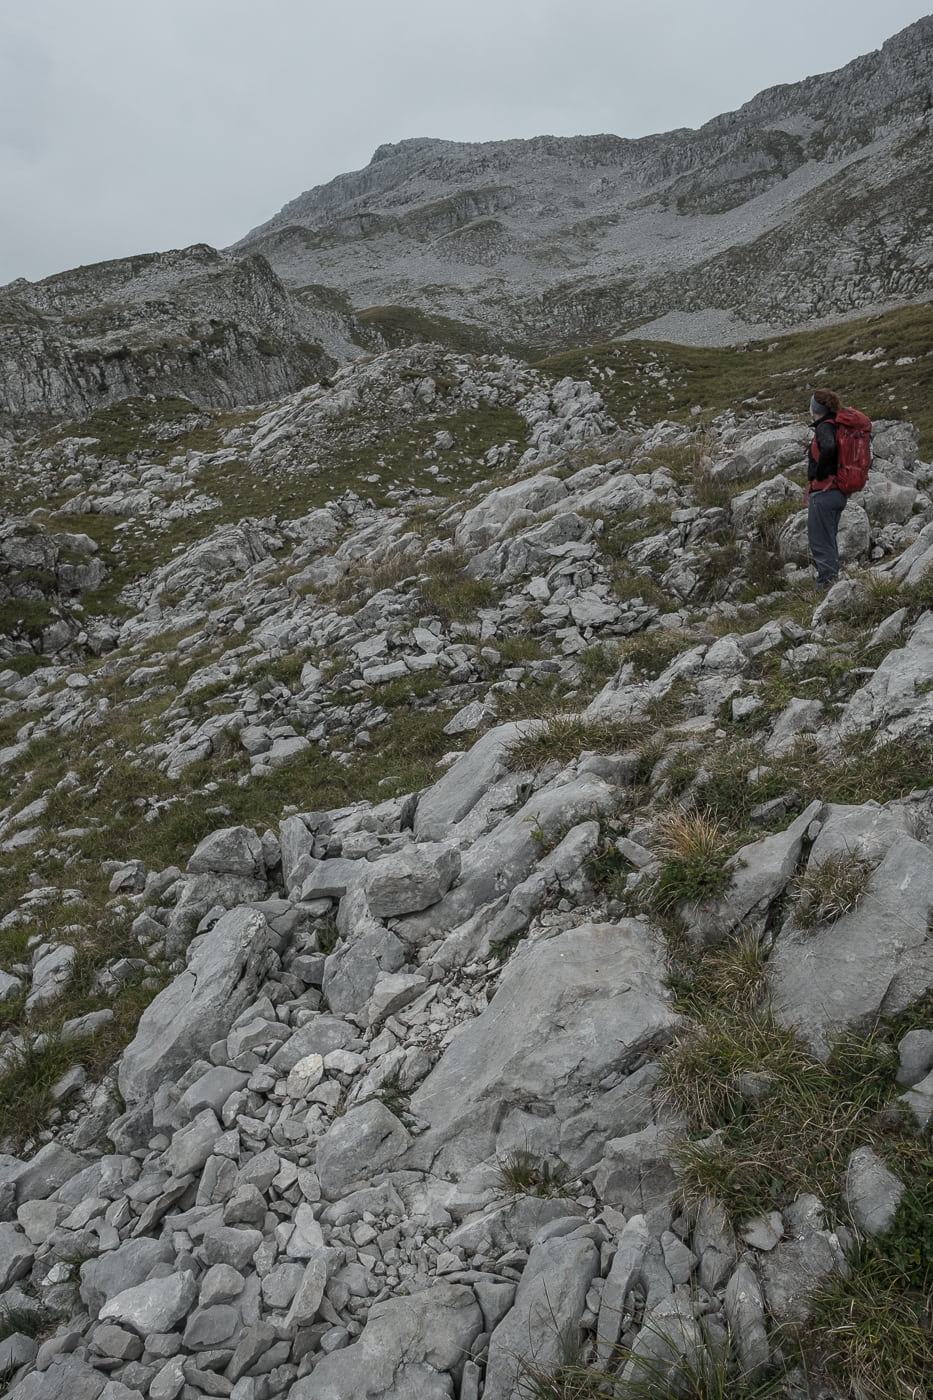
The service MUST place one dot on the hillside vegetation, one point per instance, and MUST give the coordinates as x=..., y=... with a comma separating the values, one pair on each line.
x=430, y=714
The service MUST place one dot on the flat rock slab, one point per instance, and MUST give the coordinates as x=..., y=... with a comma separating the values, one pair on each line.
x=461, y=787
x=897, y=702
x=567, y=1012
x=406, y=1349
x=875, y=961
x=547, y=1310
x=226, y=968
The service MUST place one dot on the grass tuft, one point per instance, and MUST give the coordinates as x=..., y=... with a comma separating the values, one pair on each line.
x=769, y=1120
x=831, y=889
x=695, y=854
x=522, y=1172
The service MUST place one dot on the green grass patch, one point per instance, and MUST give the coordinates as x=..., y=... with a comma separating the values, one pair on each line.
x=563, y=736
x=649, y=380
x=786, y=1121
x=394, y=326
x=855, y=775
x=449, y=593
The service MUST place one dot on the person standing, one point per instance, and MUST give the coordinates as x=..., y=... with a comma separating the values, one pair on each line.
x=825, y=502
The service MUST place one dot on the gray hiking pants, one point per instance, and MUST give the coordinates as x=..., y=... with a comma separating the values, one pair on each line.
x=823, y=511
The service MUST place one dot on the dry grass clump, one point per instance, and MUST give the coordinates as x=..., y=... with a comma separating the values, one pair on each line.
x=695, y=851
x=689, y=835
x=831, y=889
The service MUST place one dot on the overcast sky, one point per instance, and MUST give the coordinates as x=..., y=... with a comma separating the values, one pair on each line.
x=133, y=125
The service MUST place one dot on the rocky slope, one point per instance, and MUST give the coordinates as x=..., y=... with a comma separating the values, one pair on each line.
x=809, y=201
x=222, y=330
x=385, y=871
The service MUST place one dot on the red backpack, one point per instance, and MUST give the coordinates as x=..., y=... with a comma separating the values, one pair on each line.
x=853, y=442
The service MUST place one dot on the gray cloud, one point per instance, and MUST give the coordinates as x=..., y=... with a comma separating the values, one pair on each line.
x=127, y=127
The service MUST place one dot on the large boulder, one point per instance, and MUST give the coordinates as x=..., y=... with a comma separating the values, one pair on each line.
x=226, y=968
x=766, y=452
x=67, y=1378
x=886, y=501
x=122, y=1268
x=854, y=536
x=410, y=879
x=895, y=443
x=568, y=1012
x=496, y=512
x=154, y=1306
x=623, y=697
x=916, y=561
x=233, y=850
x=747, y=508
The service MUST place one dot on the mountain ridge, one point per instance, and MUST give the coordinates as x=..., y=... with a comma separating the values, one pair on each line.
x=592, y=208
x=808, y=203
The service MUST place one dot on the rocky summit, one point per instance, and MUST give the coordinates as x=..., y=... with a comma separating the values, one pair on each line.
x=465, y=895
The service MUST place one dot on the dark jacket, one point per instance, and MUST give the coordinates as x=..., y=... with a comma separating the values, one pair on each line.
x=824, y=454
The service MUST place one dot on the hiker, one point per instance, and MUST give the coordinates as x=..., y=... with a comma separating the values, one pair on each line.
x=825, y=501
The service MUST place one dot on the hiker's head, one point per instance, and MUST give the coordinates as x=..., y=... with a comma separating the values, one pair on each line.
x=824, y=401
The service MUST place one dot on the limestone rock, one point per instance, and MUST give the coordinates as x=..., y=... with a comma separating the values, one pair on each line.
x=225, y=967
x=363, y=1141
x=872, y=1192
x=235, y=850
x=761, y=872
x=897, y=701
x=155, y=1306
x=452, y=796
x=548, y=1306
x=872, y=962
x=567, y=1009
x=410, y=1346
x=412, y=879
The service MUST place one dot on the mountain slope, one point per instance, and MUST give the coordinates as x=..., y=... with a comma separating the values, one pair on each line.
x=809, y=200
